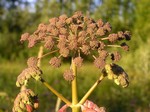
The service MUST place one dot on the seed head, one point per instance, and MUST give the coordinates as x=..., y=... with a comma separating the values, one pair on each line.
x=85, y=49
x=32, y=62
x=26, y=74
x=78, y=61
x=103, y=54
x=24, y=37
x=64, y=52
x=49, y=43
x=113, y=37
x=68, y=75
x=99, y=63
x=55, y=62
x=24, y=98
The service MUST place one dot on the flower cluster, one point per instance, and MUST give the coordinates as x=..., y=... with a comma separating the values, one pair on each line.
x=76, y=35
x=32, y=71
x=116, y=73
x=26, y=100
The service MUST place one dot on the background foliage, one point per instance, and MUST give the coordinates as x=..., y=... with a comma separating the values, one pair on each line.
x=19, y=16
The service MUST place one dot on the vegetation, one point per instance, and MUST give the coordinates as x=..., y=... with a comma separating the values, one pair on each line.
x=17, y=17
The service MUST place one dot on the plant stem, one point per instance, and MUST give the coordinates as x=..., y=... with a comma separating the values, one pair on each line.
x=58, y=103
x=74, y=89
x=90, y=90
x=55, y=92
x=40, y=53
x=47, y=54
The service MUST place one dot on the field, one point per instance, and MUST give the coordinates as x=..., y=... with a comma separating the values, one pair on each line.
x=135, y=98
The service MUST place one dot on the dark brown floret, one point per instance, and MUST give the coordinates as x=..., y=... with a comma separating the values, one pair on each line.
x=55, y=62
x=68, y=75
x=124, y=46
x=78, y=61
x=24, y=37
x=99, y=63
x=127, y=35
x=64, y=52
x=32, y=62
x=113, y=37
x=121, y=35
x=115, y=56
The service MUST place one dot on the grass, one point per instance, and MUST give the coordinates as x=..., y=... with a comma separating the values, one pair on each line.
x=135, y=98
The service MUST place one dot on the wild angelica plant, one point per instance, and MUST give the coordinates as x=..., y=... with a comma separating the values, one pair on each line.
x=76, y=37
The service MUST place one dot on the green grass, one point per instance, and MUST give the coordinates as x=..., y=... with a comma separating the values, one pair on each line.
x=116, y=99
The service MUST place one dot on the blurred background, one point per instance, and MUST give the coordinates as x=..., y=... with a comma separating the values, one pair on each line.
x=20, y=16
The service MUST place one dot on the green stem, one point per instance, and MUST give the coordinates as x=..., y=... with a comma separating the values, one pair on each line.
x=74, y=89
x=56, y=93
x=90, y=90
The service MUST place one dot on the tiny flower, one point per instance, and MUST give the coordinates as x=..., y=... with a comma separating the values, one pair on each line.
x=100, y=23
x=78, y=61
x=85, y=49
x=99, y=63
x=32, y=62
x=68, y=75
x=49, y=43
x=55, y=62
x=100, y=31
x=64, y=52
x=107, y=27
x=103, y=54
x=53, y=20
x=24, y=37
x=113, y=37
x=94, y=44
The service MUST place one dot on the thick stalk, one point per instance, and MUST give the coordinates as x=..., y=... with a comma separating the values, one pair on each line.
x=56, y=93
x=90, y=91
x=74, y=89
